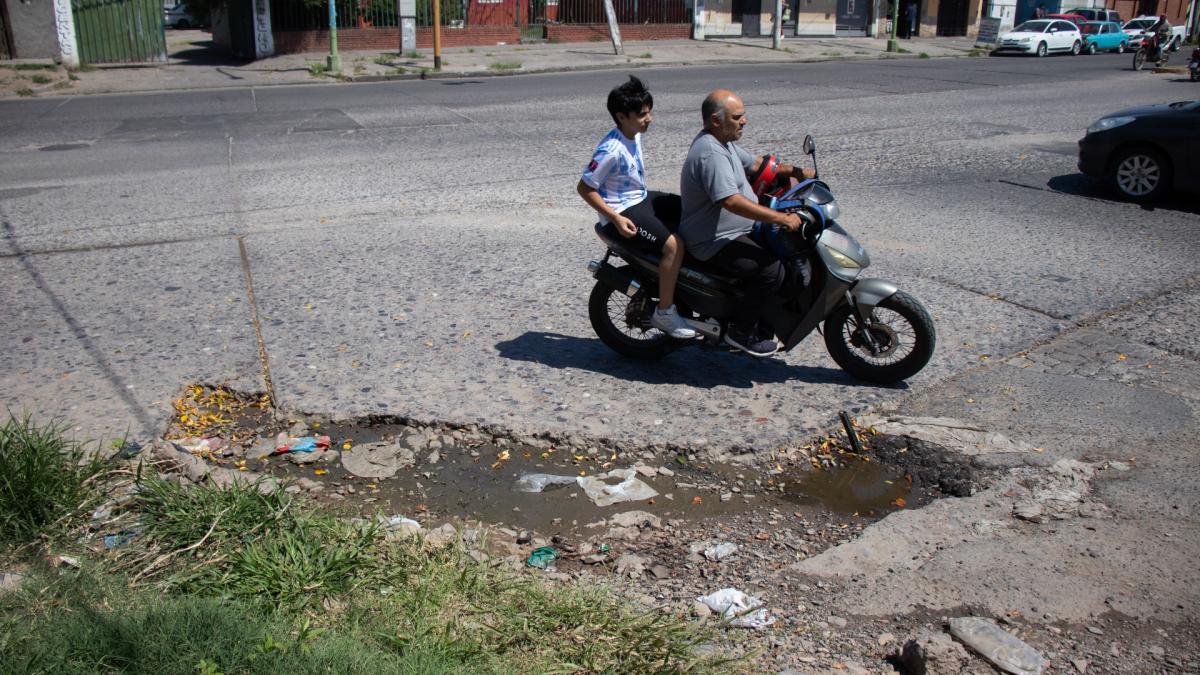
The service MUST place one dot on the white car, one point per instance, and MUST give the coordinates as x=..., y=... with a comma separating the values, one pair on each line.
x=178, y=17
x=1041, y=36
x=1136, y=28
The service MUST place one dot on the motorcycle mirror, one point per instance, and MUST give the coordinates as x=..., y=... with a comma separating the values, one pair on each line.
x=809, y=146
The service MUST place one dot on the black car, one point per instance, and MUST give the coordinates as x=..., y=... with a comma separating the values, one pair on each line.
x=1145, y=152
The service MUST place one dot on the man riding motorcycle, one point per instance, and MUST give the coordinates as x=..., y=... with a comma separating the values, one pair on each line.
x=719, y=211
x=1160, y=37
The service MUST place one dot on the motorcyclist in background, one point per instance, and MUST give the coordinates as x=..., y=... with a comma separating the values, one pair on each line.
x=1160, y=37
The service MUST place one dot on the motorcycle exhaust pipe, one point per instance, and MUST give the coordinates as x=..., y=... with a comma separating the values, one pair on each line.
x=614, y=278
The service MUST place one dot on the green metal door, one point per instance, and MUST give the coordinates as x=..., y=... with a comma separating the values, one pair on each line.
x=119, y=31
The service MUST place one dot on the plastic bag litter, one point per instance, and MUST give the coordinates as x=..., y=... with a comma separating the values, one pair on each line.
x=306, y=444
x=720, y=551
x=630, y=489
x=538, y=482
x=542, y=557
x=397, y=521
x=733, y=604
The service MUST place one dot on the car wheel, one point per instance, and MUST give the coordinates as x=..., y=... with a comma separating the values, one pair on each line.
x=1121, y=48
x=1091, y=49
x=1141, y=174
x=1075, y=48
x=183, y=24
x=1041, y=49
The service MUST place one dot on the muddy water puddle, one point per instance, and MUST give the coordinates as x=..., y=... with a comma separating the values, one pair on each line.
x=858, y=488
x=469, y=473
x=480, y=482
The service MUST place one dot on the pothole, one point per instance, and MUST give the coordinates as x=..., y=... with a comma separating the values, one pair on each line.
x=439, y=472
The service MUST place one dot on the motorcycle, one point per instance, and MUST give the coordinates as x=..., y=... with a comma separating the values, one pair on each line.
x=1194, y=65
x=874, y=331
x=1147, y=51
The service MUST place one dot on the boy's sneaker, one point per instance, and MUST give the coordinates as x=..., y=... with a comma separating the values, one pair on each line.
x=750, y=343
x=669, y=322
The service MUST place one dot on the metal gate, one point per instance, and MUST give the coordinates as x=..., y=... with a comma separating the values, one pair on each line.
x=119, y=31
x=952, y=18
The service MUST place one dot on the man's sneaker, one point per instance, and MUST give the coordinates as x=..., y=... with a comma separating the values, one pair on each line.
x=749, y=343
x=669, y=322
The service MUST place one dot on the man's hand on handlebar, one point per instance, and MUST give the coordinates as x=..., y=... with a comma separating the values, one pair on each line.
x=791, y=222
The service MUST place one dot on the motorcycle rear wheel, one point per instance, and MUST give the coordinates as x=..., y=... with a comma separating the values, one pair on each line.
x=619, y=323
x=901, y=328
x=1139, y=59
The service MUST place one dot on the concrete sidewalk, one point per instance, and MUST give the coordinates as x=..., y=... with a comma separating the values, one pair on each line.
x=189, y=65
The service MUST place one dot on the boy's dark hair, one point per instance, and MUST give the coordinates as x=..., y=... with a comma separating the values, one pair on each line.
x=629, y=98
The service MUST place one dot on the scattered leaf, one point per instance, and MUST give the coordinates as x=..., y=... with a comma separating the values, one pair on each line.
x=899, y=501
x=346, y=445
x=1121, y=357
x=320, y=472
x=697, y=499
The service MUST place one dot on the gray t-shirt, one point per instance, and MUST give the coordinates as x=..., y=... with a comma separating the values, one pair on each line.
x=712, y=172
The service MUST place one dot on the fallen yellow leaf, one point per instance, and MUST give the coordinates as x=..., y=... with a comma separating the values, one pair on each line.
x=1121, y=357
x=320, y=472
x=346, y=445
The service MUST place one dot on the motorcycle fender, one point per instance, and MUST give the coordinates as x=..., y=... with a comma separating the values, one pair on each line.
x=868, y=293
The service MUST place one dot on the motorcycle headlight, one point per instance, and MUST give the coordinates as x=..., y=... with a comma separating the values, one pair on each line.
x=1109, y=123
x=841, y=259
x=832, y=211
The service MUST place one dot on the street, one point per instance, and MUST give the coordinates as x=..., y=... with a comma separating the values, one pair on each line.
x=415, y=252
x=417, y=248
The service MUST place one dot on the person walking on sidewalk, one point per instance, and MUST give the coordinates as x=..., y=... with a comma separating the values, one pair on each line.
x=719, y=210
x=614, y=184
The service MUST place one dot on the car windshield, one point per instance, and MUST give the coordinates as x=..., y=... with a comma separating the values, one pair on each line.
x=1139, y=24
x=1032, y=27
x=1091, y=28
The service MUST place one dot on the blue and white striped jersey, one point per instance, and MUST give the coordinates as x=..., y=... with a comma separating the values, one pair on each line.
x=616, y=171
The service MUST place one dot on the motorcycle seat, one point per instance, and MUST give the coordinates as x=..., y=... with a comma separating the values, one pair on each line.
x=689, y=263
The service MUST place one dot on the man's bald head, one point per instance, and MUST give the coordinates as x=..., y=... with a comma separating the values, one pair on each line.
x=716, y=103
x=724, y=115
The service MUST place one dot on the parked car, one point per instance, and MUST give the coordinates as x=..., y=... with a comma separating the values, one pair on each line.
x=1042, y=36
x=1103, y=36
x=1077, y=19
x=1145, y=152
x=178, y=17
x=1093, y=14
x=1137, y=27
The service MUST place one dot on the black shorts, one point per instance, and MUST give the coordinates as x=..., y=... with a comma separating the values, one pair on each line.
x=656, y=217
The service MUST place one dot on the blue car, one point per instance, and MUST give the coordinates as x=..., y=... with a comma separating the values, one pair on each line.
x=1103, y=36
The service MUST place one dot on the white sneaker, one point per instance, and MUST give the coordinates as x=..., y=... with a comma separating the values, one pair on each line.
x=669, y=322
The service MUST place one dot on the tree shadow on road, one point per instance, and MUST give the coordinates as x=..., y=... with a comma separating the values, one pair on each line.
x=702, y=368
x=1079, y=185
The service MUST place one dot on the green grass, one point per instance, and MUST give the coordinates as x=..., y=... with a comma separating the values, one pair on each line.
x=31, y=66
x=41, y=79
x=24, y=91
x=84, y=68
x=384, y=59
x=504, y=65
x=923, y=55
x=902, y=50
x=318, y=69
x=643, y=55
x=46, y=480
x=414, y=55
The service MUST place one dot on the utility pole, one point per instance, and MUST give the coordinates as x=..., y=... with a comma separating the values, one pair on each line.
x=892, y=45
x=437, y=34
x=777, y=32
x=334, y=61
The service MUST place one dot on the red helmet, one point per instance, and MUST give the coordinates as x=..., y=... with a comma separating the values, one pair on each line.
x=762, y=179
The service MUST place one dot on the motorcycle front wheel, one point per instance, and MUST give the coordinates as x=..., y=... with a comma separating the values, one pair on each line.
x=1139, y=59
x=895, y=345
x=620, y=322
